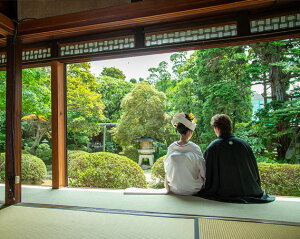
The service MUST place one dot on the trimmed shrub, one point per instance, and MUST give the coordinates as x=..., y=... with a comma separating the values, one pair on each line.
x=276, y=179
x=158, y=171
x=105, y=170
x=74, y=154
x=280, y=179
x=33, y=169
x=44, y=152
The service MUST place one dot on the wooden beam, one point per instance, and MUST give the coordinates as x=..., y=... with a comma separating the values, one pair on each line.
x=7, y=26
x=13, y=121
x=132, y=15
x=243, y=24
x=59, y=162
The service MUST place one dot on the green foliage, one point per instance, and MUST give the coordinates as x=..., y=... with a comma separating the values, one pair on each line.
x=157, y=170
x=74, y=154
x=131, y=152
x=105, y=170
x=113, y=73
x=143, y=116
x=2, y=130
x=85, y=105
x=160, y=77
x=248, y=132
x=2, y=110
x=275, y=65
x=277, y=179
x=36, y=91
x=113, y=91
x=277, y=124
x=44, y=152
x=222, y=87
x=33, y=169
x=280, y=179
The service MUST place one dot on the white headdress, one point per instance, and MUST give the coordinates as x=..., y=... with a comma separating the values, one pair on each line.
x=180, y=118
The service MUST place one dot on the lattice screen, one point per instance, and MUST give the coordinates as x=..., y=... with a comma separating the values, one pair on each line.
x=97, y=46
x=275, y=23
x=2, y=58
x=191, y=35
x=36, y=54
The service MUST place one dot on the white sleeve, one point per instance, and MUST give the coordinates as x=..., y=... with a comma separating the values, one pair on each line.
x=201, y=163
x=170, y=151
x=202, y=168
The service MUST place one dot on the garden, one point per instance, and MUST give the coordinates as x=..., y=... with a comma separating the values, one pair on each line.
x=205, y=82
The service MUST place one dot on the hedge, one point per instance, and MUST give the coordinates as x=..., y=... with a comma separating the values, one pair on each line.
x=280, y=179
x=276, y=179
x=33, y=169
x=74, y=154
x=104, y=170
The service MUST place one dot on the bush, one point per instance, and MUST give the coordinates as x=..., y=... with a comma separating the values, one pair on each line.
x=105, y=170
x=33, y=169
x=44, y=152
x=158, y=171
x=280, y=179
x=132, y=153
x=277, y=179
x=74, y=154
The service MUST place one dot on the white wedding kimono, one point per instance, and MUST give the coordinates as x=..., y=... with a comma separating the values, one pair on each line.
x=185, y=168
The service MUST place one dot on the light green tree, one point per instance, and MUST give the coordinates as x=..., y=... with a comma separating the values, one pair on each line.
x=143, y=116
x=85, y=105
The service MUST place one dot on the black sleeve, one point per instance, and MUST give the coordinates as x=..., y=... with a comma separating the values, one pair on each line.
x=254, y=163
x=212, y=171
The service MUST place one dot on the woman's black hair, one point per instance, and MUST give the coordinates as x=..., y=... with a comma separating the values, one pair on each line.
x=181, y=128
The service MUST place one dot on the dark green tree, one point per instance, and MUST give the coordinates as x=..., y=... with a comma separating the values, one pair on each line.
x=113, y=91
x=113, y=72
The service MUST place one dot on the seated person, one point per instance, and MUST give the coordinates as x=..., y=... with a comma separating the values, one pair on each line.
x=184, y=164
x=231, y=169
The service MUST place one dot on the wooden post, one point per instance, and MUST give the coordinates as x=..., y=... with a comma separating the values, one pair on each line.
x=59, y=161
x=243, y=24
x=13, y=120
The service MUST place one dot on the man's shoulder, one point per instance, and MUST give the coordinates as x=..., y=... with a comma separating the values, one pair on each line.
x=239, y=141
x=214, y=143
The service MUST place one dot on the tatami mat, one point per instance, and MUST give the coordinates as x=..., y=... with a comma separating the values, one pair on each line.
x=216, y=229
x=19, y=222
x=287, y=210
x=40, y=222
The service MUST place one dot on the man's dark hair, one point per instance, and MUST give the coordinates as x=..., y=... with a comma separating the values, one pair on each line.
x=181, y=128
x=222, y=122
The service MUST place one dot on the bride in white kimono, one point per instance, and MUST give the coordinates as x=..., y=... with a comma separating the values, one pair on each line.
x=184, y=163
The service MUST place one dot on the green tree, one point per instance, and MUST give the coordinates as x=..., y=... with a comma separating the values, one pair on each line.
x=85, y=105
x=113, y=72
x=221, y=86
x=113, y=91
x=143, y=116
x=276, y=66
x=160, y=77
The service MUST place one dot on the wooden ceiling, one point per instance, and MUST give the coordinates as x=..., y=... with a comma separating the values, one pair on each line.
x=143, y=17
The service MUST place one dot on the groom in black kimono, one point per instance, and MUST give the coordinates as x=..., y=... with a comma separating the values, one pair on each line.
x=231, y=169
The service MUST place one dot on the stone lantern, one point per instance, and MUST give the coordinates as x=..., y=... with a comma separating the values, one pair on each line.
x=146, y=150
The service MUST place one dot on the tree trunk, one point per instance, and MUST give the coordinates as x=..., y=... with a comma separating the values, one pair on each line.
x=39, y=134
x=277, y=79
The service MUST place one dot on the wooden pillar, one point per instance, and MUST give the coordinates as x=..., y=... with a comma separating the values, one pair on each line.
x=13, y=120
x=59, y=161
